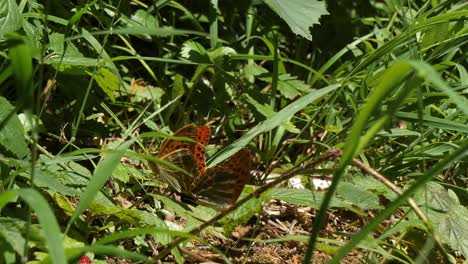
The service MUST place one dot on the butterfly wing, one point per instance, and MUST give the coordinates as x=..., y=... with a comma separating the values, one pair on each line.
x=187, y=157
x=221, y=185
x=180, y=170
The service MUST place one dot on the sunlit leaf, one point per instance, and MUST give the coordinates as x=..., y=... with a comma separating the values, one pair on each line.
x=299, y=14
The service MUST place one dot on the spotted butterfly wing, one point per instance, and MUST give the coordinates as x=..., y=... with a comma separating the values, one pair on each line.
x=184, y=160
x=220, y=186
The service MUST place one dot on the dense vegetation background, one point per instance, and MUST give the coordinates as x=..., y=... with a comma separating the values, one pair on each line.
x=368, y=96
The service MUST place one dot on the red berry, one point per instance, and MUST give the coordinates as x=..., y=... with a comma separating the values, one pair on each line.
x=84, y=260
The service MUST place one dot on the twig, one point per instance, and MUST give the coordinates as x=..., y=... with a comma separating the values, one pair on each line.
x=398, y=191
x=389, y=184
x=194, y=255
x=286, y=176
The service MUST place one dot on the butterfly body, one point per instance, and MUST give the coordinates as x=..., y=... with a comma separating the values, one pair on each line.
x=186, y=172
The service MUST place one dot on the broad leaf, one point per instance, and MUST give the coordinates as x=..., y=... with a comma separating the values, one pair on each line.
x=10, y=17
x=299, y=14
x=12, y=140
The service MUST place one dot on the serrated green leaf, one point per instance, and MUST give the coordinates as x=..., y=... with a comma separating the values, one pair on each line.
x=12, y=140
x=358, y=196
x=300, y=15
x=289, y=86
x=64, y=203
x=49, y=181
x=304, y=197
x=10, y=17
x=454, y=228
x=195, y=52
x=10, y=231
x=244, y=213
x=435, y=34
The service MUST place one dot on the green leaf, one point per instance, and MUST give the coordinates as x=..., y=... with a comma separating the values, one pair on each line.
x=64, y=203
x=142, y=93
x=435, y=34
x=454, y=228
x=57, y=41
x=244, y=213
x=300, y=15
x=61, y=62
x=122, y=173
x=195, y=52
x=304, y=197
x=108, y=81
x=358, y=196
x=10, y=17
x=10, y=232
x=398, y=132
x=12, y=141
x=6, y=197
x=373, y=185
x=144, y=18
x=289, y=86
x=49, y=180
x=48, y=223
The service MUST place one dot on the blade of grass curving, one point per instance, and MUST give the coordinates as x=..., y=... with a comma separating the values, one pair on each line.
x=99, y=48
x=159, y=32
x=133, y=51
x=458, y=154
x=336, y=57
x=400, y=39
x=49, y=224
x=402, y=93
x=190, y=16
x=269, y=124
x=434, y=122
x=77, y=16
x=428, y=72
x=391, y=80
x=167, y=60
x=101, y=174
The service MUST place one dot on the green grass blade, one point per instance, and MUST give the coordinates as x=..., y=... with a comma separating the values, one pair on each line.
x=48, y=223
x=271, y=123
x=458, y=154
x=390, y=81
x=102, y=173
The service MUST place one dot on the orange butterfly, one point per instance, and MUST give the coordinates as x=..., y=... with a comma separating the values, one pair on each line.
x=215, y=187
